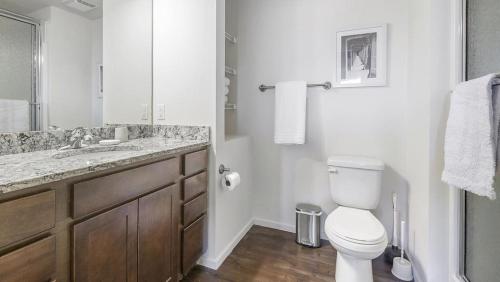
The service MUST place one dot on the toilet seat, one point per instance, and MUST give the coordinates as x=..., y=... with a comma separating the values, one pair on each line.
x=356, y=232
x=355, y=226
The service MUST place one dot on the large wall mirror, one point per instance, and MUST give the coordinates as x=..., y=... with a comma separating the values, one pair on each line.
x=72, y=63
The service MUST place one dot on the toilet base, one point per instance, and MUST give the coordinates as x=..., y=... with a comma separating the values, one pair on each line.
x=351, y=269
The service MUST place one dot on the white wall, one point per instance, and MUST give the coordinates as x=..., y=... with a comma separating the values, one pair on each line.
x=127, y=60
x=296, y=40
x=67, y=72
x=233, y=210
x=428, y=93
x=184, y=61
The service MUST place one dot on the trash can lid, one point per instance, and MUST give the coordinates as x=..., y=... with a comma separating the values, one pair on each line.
x=308, y=208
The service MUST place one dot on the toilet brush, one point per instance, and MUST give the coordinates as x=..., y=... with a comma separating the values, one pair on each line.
x=393, y=251
x=401, y=267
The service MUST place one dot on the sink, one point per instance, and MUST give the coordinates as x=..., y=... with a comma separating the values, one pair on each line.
x=96, y=151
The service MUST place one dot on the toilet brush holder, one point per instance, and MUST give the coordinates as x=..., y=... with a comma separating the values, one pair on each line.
x=390, y=253
x=401, y=268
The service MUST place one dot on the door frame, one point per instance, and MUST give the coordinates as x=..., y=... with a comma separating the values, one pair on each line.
x=36, y=101
x=457, y=197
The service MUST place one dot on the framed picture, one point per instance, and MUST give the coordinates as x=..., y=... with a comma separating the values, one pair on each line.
x=362, y=57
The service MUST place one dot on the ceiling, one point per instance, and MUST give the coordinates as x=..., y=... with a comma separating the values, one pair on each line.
x=25, y=7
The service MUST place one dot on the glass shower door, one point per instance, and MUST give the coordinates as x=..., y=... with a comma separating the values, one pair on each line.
x=18, y=74
x=482, y=216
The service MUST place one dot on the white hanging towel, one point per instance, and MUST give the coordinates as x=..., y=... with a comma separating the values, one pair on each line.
x=472, y=136
x=290, y=112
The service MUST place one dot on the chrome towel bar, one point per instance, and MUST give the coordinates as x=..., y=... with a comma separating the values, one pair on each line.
x=327, y=85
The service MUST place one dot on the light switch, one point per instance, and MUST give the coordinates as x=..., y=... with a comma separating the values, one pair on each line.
x=161, y=111
x=145, y=114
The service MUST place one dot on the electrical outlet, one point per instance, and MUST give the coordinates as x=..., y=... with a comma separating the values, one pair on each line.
x=145, y=112
x=161, y=111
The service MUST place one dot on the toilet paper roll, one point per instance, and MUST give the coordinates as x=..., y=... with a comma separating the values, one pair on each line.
x=230, y=181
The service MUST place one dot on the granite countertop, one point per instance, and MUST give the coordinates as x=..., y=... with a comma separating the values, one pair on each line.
x=20, y=171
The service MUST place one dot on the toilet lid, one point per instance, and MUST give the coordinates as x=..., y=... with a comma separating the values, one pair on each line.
x=355, y=225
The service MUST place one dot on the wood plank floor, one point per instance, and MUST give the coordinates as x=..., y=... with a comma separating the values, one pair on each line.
x=270, y=255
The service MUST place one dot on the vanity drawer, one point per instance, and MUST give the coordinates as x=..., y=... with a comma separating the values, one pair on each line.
x=97, y=194
x=193, y=209
x=194, y=186
x=194, y=162
x=27, y=216
x=33, y=263
x=192, y=244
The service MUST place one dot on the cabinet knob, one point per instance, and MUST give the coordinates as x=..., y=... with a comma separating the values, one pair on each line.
x=53, y=280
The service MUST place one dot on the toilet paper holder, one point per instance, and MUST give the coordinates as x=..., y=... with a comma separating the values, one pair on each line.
x=223, y=169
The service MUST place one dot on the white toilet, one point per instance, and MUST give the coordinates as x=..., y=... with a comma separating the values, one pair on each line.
x=357, y=235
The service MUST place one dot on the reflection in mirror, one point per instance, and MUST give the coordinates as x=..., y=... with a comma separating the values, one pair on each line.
x=74, y=63
x=18, y=73
x=61, y=90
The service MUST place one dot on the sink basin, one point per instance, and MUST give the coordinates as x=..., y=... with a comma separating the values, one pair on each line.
x=96, y=151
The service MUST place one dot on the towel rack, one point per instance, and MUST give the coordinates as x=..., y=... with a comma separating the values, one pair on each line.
x=327, y=85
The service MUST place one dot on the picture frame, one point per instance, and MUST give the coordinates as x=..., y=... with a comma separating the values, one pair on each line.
x=362, y=57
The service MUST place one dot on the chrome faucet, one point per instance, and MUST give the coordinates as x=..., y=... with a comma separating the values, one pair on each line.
x=77, y=139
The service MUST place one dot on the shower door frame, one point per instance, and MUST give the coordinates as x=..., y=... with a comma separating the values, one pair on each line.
x=36, y=100
x=457, y=196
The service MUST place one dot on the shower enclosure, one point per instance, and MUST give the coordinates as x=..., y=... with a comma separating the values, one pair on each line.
x=19, y=73
x=482, y=216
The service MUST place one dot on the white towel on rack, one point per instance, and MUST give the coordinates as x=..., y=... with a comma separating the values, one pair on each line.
x=472, y=136
x=290, y=112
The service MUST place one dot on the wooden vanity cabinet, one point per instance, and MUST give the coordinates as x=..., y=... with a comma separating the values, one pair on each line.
x=133, y=242
x=144, y=222
x=194, y=208
x=21, y=218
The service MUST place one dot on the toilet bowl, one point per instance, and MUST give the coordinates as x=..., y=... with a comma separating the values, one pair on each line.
x=358, y=238
x=356, y=234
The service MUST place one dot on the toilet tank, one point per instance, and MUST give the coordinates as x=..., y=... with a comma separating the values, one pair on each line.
x=355, y=182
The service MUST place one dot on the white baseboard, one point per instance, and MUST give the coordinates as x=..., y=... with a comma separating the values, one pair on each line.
x=274, y=225
x=215, y=263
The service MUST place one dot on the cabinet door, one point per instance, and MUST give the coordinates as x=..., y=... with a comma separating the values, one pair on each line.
x=105, y=246
x=157, y=236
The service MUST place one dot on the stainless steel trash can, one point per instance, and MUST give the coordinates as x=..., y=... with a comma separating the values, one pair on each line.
x=307, y=225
